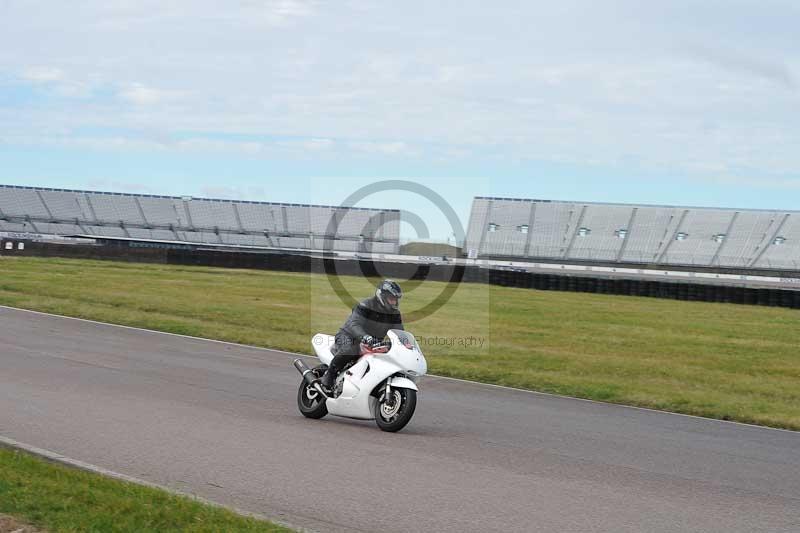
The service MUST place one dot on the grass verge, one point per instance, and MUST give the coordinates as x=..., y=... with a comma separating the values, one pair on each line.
x=62, y=499
x=724, y=361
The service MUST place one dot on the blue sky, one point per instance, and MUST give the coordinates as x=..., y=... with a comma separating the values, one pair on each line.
x=682, y=102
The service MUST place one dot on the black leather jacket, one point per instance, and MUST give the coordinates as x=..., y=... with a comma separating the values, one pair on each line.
x=370, y=318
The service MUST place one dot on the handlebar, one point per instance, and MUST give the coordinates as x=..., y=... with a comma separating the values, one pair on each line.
x=382, y=347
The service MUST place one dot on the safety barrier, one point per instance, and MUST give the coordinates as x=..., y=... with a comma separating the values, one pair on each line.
x=472, y=274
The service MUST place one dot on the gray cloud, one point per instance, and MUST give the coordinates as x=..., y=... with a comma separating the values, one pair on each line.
x=739, y=61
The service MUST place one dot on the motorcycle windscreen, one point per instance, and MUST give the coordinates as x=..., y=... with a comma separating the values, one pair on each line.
x=406, y=339
x=406, y=352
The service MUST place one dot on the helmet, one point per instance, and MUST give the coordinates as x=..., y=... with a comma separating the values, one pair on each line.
x=389, y=294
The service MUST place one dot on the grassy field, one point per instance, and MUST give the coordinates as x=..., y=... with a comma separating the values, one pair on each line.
x=717, y=360
x=61, y=499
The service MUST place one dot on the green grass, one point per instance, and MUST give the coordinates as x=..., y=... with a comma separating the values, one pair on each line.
x=62, y=499
x=724, y=361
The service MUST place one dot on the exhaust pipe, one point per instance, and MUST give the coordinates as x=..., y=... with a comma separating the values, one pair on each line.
x=302, y=367
x=308, y=376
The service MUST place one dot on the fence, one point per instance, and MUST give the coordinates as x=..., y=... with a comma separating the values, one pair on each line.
x=470, y=274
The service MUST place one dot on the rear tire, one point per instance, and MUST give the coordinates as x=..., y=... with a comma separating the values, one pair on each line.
x=310, y=402
x=395, y=417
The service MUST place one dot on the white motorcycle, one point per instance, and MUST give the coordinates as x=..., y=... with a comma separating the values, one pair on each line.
x=380, y=385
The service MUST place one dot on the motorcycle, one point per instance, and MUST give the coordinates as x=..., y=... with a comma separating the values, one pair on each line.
x=381, y=384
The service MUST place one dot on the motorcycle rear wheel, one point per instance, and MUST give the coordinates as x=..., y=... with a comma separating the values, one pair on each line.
x=309, y=401
x=394, y=417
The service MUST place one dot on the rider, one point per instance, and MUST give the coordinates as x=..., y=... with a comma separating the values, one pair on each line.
x=367, y=324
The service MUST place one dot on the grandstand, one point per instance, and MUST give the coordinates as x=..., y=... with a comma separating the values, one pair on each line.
x=67, y=212
x=522, y=230
x=526, y=229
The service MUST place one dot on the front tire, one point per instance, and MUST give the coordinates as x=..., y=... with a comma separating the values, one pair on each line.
x=310, y=402
x=395, y=415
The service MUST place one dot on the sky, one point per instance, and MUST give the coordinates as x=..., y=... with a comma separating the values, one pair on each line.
x=680, y=102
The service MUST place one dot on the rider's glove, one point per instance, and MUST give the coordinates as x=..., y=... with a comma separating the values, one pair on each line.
x=369, y=340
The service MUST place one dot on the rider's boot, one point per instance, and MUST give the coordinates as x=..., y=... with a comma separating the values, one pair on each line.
x=328, y=378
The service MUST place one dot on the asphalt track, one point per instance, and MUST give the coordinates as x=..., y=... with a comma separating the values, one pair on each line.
x=220, y=421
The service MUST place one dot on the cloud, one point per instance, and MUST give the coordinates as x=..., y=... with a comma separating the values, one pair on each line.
x=282, y=13
x=384, y=148
x=144, y=142
x=289, y=8
x=141, y=95
x=748, y=63
x=42, y=74
x=313, y=144
x=422, y=80
x=206, y=145
x=791, y=184
x=56, y=138
x=53, y=80
x=318, y=144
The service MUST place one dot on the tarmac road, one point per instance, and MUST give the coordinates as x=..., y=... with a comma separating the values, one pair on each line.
x=220, y=421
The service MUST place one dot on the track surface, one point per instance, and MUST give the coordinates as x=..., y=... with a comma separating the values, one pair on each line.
x=220, y=421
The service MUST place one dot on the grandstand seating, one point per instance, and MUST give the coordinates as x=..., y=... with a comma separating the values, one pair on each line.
x=547, y=234
x=22, y=202
x=114, y=208
x=58, y=229
x=786, y=254
x=668, y=235
x=748, y=231
x=107, y=231
x=260, y=217
x=498, y=227
x=654, y=228
x=211, y=214
x=197, y=220
x=699, y=247
x=245, y=240
x=604, y=241
x=163, y=211
x=15, y=227
x=65, y=206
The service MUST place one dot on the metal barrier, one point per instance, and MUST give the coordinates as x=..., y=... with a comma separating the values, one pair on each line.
x=586, y=282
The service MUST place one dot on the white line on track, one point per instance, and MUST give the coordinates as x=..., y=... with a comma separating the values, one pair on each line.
x=81, y=465
x=504, y=387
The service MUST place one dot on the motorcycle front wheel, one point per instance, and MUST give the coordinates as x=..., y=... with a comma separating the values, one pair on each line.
x=394, y=414
x=310, y=402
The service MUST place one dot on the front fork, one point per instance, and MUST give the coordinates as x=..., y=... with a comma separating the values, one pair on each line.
x=388, y=398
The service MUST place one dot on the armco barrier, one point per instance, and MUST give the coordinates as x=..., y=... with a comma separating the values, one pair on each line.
x=506, y=278
x=642, y=266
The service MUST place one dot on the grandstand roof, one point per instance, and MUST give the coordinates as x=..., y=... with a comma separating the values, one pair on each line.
x=625, y=204
x=285, y=204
